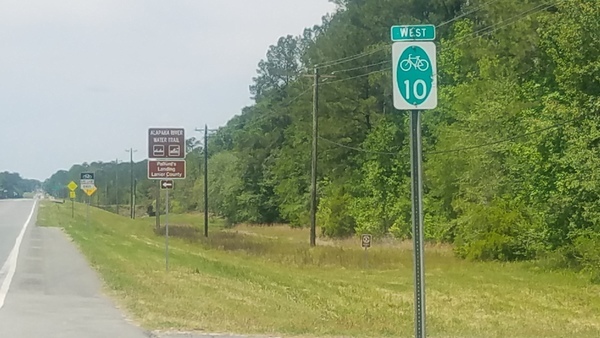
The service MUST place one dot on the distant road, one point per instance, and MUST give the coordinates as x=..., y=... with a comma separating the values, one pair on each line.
x=51, y=291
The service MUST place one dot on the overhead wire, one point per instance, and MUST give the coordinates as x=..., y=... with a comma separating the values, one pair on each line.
x=356, y=149
x=466, y=39
x=474, y=34
x=508, y=139
x=287, y=104
x=476, y=9
x=485, y=31
x=356, y=77
x=378, y=49
x=360, y=67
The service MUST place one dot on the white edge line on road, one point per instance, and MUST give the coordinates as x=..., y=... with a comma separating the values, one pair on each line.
x=10, y=266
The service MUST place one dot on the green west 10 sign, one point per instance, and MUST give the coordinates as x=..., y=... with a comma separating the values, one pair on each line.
x=415, y=75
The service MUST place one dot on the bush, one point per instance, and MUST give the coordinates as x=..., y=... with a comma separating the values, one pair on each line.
x=498, y=231
x=334, y=214
x=587, y=248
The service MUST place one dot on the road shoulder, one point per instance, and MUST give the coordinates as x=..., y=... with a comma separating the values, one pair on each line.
x=55, y=293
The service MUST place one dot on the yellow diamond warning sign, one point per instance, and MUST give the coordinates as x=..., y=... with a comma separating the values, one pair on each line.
x=91, y=191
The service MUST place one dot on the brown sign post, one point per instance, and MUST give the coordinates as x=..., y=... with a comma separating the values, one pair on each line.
x=166, y=143
x=166, y=162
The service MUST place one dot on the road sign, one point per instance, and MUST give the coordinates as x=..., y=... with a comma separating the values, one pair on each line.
x=91, y=191
x=415, y=75
x=86, y=181
x=72, y=186
x=72, y=195
x=365, y=240
x=166, y=184
x=413, y=33
x=166, y=143
x=166, y=169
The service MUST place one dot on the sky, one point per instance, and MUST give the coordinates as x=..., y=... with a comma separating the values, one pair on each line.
x=82, y=81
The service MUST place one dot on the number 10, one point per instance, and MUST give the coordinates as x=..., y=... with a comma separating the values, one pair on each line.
x=415, y=89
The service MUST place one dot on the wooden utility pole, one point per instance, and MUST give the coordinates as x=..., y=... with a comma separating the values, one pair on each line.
x=205, y=150
x=313, y=176
x=131, y=183
x=315, y=137
x=117, y=184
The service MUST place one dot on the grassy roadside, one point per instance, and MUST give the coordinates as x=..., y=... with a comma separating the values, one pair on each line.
x=266, y=280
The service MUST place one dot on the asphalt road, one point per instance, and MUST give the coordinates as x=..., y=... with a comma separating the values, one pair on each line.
x=53, y=293
x=13, y=215
x=47, y=288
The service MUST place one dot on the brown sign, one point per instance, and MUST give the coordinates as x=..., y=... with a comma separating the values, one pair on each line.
x=166, y=184
x=166, y=169
x=166, y=143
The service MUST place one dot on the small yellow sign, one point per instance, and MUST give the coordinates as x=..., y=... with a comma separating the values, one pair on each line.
x=72, y=186
x=72, y=195
x=91, y=191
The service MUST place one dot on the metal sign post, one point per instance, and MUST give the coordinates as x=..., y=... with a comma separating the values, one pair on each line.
x=166, y=185
x=415, y=89
x=167, y=231
x=87, y=211
x=417, y=221
x=89, y=191
x=72, y=186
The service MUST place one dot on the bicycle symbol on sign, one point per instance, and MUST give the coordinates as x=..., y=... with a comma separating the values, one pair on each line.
x=416, y=62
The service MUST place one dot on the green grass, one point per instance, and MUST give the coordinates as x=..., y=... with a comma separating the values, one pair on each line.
x=266, y=280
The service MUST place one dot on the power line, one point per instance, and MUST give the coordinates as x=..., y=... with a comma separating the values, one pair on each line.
x=367, y=53
x=474, y=34
x=361, y=67
x=554, y=126
x=357, y=76
x=357, y=149
x=287, y=104
x=507, y=22
x=461, y=41
x=467, y=13
x=352, y=57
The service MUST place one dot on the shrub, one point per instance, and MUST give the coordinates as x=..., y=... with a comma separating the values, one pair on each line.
x=498, y=231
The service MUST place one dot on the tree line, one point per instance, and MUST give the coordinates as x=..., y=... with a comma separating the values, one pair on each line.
x=511, y=154
x=12, y=185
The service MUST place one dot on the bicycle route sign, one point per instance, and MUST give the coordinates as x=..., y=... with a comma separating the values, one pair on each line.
x=414, y=75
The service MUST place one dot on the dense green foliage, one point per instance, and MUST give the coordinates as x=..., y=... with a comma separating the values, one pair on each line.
x=12, y=185
x=511, y=155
